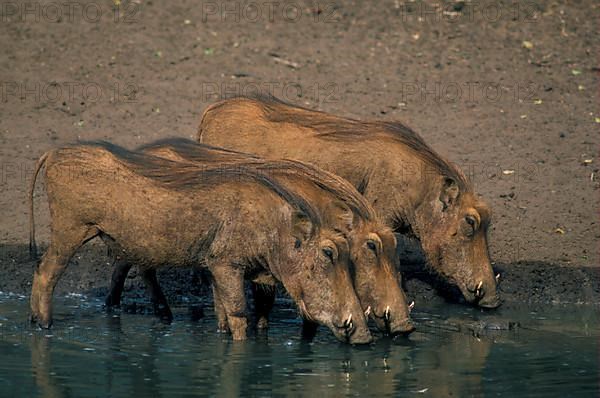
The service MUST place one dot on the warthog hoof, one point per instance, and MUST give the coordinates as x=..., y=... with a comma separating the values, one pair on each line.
x=42, y=323
x=164, y=313
x=222, y=327
x=262, y=323
x=238, y=326
x=111, y=301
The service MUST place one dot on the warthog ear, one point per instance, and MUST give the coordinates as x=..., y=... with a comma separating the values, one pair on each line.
x=302, y=228
x=449, y=192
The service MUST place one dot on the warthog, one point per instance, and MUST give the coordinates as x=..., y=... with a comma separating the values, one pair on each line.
x=340, y=206
x=239, y=223
x=416, y=191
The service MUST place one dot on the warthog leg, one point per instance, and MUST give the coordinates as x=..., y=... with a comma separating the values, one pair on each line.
x=119, y=275
x=65, y=241
x=228, y=281
x=159, y=301
x=222, y=326
x=117, y=282
x=264, y=298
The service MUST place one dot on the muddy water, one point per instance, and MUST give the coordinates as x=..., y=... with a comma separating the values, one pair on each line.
x=456, y=352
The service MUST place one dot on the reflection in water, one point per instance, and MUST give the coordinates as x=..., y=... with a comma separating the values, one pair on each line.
x=142, y=369
x=439, y=366
x=131, y=355
x=237, y=375
x=46, y=378
x=456, y=364
x=116, y=354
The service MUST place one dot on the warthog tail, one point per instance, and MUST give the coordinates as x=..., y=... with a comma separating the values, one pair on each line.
x=32, y=245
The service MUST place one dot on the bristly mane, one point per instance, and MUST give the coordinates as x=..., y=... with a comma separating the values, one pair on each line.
x=332, y=127
x=189, y=149
x=184, y=176
x=328, y=182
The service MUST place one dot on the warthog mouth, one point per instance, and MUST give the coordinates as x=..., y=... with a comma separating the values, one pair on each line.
x=385, y=316
x=407, y=326
x=477, y=296
x=492, y=303
x=347, y=328
x=382, y=321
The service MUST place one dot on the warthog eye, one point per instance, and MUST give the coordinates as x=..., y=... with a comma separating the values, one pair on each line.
x=472, y=221
x=328, y=252
x=372, y=246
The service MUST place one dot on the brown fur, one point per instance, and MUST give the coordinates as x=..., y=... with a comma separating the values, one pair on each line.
x=372, y=244
x=238, y=222
x=415, y=190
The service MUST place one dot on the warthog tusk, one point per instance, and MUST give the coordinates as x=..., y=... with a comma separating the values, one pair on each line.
x=497, y=278
x=411, y=306
x=478, y=289
x=386, y=314
x=368, y=311
x=348, y=322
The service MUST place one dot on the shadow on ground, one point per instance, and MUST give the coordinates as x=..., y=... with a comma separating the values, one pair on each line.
x=527, y=282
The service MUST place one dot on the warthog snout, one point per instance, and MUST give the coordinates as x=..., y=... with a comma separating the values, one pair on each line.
x=352, y=329
x=484, y=294
x=392, y=323
x=404, y=327
x=400, y=323
x=488, y=300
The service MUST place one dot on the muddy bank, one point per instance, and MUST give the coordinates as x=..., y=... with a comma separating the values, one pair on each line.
x=510, y=97
x=522, y=283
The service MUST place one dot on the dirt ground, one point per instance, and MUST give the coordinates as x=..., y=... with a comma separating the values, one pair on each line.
x=508, y=90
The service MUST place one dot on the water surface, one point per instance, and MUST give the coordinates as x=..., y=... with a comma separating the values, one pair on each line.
x=457, y=351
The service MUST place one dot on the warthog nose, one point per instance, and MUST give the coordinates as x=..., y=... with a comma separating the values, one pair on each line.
x=490, y=301
x=408, y=329
x=404, y=328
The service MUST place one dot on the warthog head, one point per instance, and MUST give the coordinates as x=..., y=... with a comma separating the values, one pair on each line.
x=454, y=236
x=323, y=288
x=377, y=282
